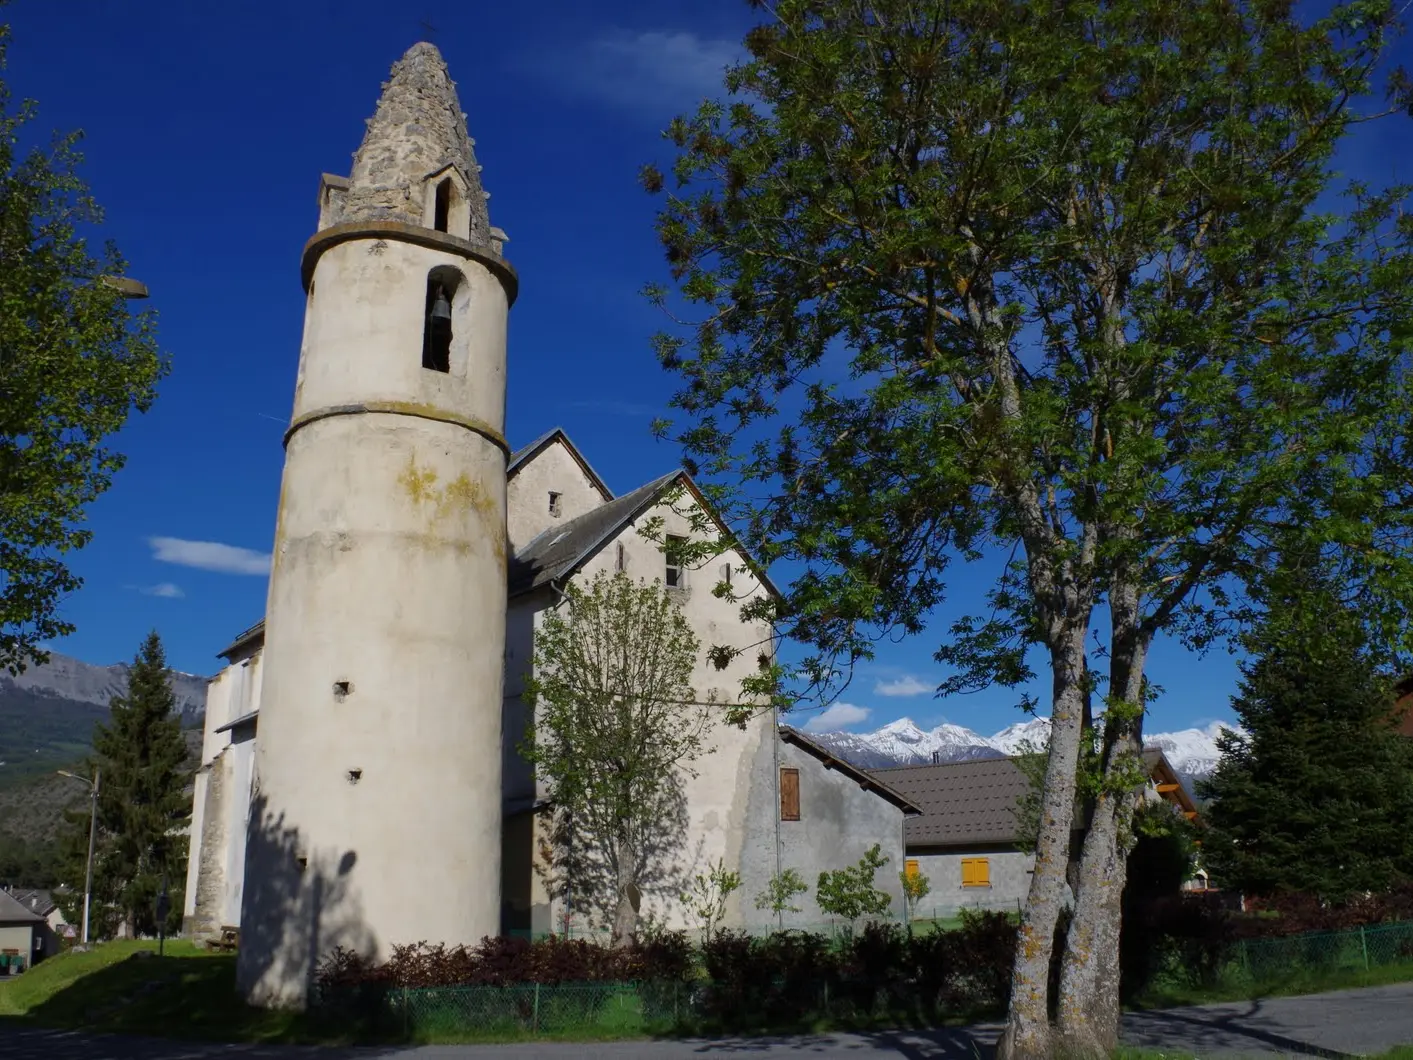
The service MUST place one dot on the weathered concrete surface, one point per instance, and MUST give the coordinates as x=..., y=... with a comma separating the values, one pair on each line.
x=839, y=821
x=1009, y=871
x=1345, y=1024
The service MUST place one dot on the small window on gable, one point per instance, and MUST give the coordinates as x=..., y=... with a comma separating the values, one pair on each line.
x=620, y=562
x=437, y=333
x=675, y=574
x=726, y=574
x=554, y=504
x=442, y=207
x=789, y=794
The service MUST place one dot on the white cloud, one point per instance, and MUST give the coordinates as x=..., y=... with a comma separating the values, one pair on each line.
x=165, y=589
x=209, y=555
x=837, y=716
x=902, y=686
x=654, y=72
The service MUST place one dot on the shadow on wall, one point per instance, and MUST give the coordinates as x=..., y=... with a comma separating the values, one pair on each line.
x=296, y=910
x=580, y=872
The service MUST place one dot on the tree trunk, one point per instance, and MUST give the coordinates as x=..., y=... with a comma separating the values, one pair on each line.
x=1028, y=1033
x=1089, y=975
x=625, y=919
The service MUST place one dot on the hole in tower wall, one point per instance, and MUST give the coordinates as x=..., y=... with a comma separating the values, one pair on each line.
x=342, y=689
x=442, y=207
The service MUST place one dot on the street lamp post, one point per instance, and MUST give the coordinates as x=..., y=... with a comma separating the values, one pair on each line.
x=92, y=831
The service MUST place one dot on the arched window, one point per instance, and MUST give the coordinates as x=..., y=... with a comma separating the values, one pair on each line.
x=441, y=217
x=442, y=285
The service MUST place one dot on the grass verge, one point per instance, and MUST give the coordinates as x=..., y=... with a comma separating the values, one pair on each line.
x=1292, y=982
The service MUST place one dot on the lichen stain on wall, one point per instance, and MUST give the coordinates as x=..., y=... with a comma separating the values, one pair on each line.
x=458, y=497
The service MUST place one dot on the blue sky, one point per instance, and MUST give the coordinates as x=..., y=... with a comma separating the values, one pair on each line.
x=207, y=127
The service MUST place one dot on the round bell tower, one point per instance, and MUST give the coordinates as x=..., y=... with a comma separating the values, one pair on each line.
x=376, y=814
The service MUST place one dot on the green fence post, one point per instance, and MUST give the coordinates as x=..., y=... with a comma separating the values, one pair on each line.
x=535, y=1020
x=1364, y=945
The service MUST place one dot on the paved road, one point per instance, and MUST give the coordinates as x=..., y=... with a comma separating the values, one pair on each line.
x=1349, y=1023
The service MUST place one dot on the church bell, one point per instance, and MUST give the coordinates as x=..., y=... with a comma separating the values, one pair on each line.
x=441, y=308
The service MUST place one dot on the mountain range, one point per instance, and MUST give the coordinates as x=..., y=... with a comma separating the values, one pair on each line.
x=47, y=715
x=1192, y=752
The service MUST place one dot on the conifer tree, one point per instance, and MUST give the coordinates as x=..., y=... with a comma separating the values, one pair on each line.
x=1316, y=793
x=142, y=801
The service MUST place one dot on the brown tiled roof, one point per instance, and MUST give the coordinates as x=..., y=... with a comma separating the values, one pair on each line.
x=963, y=803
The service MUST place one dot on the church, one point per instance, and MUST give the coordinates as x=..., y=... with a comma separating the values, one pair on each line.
x=360, y=783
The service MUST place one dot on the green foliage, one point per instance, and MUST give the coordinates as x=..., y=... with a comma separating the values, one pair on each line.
x=141, y=757
x=779, y=894
x=916, y=887
x=1315, y=794
x=613, y=725
x=849, y=892
x=74, y=362
x=706, y=901
x=1070, y=291
x=1073, y=284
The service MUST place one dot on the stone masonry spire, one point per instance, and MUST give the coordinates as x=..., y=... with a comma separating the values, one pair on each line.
x=417, y=130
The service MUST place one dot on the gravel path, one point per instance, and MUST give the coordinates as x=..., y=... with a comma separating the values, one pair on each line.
x=1348, y=1023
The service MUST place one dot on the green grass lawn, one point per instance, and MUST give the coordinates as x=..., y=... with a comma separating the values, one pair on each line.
x=124, y=987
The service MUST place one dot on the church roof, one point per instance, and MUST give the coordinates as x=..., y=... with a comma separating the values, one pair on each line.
x=417, y=131
x=561, y=549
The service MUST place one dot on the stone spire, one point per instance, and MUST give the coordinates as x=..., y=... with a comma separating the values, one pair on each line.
x=418, y=129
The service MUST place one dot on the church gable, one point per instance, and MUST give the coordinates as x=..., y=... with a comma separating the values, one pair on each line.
x=549, y=483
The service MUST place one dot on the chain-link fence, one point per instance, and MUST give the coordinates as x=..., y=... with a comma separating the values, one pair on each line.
x=619, y=1009
x=518, y=1010
x=1362, y=949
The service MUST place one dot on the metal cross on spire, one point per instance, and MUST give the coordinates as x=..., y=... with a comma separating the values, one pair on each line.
x=428, y=28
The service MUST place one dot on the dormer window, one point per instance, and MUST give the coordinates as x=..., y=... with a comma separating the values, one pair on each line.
x=554, y=504
x=444, y=207
x=442, y=211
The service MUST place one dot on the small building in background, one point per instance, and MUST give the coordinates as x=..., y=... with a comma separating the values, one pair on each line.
x=966, y=839
x=25, y=935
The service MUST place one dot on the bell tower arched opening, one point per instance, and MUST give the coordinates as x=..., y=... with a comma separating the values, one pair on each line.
x=438, y=330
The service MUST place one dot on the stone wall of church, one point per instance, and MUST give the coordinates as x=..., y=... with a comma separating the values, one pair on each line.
x=211, y=856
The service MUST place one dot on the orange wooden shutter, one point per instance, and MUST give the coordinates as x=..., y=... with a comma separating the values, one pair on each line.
x=789, y=794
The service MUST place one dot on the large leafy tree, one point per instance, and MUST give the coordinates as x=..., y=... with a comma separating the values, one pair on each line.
x=140, y=757
x=1315, y=792
x=615, y=725
x=1048, y=282
x=74, y=362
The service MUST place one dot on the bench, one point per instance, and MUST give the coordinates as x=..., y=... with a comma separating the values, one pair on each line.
x=228, y=939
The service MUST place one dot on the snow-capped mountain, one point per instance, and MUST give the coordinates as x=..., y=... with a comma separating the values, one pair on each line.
x=1192, y=752
x=902, y=742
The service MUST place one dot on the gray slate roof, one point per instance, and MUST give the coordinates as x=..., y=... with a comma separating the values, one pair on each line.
x=12, y=912
x=560, y=549
x=963, y=803
x=36, y=901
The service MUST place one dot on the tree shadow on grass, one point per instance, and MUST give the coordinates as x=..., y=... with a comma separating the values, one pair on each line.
x=298, y=907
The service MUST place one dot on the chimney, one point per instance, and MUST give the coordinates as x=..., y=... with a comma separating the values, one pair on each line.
x=936, y=757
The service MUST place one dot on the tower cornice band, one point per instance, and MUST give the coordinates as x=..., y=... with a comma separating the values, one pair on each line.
x=407, y=233
x=401, y=408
